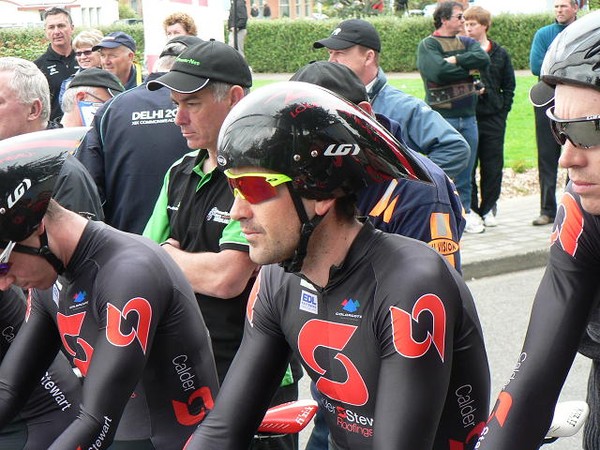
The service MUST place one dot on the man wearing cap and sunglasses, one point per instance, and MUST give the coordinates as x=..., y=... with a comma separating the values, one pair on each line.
x=355, y=43
x=566, y=315
x=191, y=218
x=117, y=52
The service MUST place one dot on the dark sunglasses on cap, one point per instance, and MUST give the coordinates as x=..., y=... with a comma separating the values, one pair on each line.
x=255, y=187
x=4, y=262
x=582, y=132
x=84, y=53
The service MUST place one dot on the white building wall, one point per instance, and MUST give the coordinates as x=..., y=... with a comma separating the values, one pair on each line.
x=209, y=16
x=85, y=13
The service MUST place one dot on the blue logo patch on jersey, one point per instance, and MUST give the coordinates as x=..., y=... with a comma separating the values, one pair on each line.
x=79, y=297
x=350, y=305
x=309, y=303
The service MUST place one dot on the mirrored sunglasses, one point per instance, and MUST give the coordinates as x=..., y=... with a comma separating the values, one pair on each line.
x=582, y=132
x=5, y=264
x=255, y=187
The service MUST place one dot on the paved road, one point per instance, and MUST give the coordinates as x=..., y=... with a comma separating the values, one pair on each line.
x=504, y=303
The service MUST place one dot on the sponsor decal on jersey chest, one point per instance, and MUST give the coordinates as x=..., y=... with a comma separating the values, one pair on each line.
x=309, y=302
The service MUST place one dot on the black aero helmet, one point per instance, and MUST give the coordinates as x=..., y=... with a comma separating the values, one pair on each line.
x=572, y=58
x=29, y=167
x=328, y=146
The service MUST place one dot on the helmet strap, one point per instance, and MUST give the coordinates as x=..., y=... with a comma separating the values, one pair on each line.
x=44, y=251
x=294, y=264
x=47, y=254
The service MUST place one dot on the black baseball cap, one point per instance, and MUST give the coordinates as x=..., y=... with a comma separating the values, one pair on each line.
x=115, y=39
x=97, y=78
x=541, y=94
x=185, y=39
x=335, y=77
x=349, y=33
x=207, y=61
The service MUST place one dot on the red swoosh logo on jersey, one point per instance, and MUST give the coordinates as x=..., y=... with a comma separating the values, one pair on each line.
x=473, y=434
x=71, y=326
x=182, y=411
x=570, y=228
x=252, y=300
x=402, y=327
x=321, y=333
x=502, y=408
x=137, y=305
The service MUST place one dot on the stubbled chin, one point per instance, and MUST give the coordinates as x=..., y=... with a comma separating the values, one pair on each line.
x=591, y=205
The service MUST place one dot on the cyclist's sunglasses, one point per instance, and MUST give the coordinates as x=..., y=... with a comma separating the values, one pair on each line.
x=583, y=132
x=4, y=262
x=255, y=187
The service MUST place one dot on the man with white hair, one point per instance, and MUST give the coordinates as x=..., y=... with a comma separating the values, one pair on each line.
x=25, y=109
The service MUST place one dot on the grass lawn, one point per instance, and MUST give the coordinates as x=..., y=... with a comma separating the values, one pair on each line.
x=519, y=146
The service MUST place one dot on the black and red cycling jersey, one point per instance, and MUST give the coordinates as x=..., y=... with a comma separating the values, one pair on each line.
x=54, y=402
x=566, y=299
x=393, y=344
x=123, y=313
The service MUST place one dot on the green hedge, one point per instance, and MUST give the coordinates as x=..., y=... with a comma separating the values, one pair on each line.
x=285, y=45
x=29, y=43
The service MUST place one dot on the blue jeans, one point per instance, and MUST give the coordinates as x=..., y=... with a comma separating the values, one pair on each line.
x=467, y=126
x=320, y=433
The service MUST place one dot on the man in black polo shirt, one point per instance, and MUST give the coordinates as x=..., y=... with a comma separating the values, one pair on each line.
x=58, y=63
x=191, y=216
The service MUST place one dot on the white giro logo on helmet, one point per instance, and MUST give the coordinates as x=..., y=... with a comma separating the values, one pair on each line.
x=342, y=150
x=18, y=192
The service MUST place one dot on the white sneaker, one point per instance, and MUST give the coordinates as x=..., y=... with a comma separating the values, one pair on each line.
x=489, y=220
x=474, y=223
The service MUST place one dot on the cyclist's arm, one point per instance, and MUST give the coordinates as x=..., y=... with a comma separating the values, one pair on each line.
x=524, y=409
x=252, y=379
x=120, y=350
x=29, y=356
x=569, y=289
x=423, y=410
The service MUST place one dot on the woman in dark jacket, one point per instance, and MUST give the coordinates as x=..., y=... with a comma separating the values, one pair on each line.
x=494, y=103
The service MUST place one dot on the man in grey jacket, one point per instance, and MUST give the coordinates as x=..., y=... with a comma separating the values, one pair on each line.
x=355, y=43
